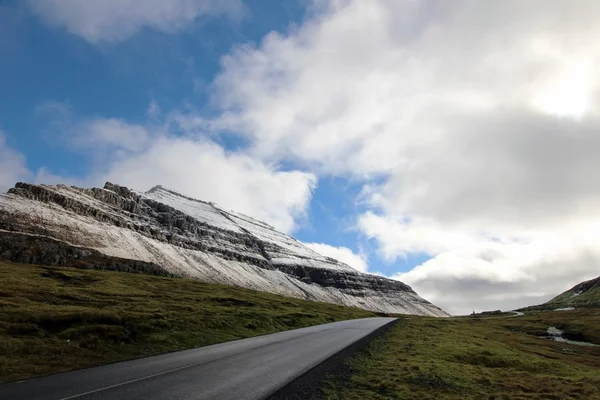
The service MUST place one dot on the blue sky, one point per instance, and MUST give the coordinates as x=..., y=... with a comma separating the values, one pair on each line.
x=449, y=146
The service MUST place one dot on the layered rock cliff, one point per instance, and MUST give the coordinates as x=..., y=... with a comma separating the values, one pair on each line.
x=165, y=233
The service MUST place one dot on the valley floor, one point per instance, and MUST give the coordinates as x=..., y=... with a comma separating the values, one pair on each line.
x=490, y=358
x=59, y=319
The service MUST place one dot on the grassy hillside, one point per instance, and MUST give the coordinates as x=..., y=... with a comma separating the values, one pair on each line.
x=478, y=358
x=58, y=319
x=585, y=294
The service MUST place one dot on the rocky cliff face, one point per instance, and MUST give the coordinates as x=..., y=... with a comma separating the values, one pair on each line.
x=163, y=232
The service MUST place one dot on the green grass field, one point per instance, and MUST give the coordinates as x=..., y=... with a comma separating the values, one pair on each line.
x=478, y=358
x=586, y=294
x=59, y=319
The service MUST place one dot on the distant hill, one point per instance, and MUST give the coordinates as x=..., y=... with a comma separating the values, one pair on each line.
x=583, y=295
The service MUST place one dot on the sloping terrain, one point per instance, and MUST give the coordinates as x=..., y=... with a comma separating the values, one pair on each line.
x=164, y=231
x=477, y=358
x=56, y=319
x=585, y=294
x=490, y=355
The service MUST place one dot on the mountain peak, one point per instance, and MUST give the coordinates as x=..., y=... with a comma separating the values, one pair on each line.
x=156, y=188
x=162, y=230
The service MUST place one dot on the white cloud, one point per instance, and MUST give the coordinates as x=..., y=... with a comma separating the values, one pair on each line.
x=472, y=269
x=13, y=166
x=13, y=169
x=497, y=275
x=478, y=120
x=379, y=80
x=204, y=170
x=117, y=20
x=400, y=237
x=343, y=254
x=97, y=134
x=181, y=157
x=106, y=133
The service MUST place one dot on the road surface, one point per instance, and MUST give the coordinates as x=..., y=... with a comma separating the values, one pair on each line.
x=517, y=314
x=244, y=369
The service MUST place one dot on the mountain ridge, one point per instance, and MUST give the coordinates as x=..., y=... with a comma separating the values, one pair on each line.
x=584, y=294
x=192, y=238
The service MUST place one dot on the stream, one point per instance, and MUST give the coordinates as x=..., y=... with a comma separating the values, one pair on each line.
x=557, y=335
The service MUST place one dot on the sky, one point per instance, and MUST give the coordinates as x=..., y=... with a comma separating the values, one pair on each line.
x=450, y=145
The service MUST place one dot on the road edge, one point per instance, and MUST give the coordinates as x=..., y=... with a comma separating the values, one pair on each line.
x=308, y=385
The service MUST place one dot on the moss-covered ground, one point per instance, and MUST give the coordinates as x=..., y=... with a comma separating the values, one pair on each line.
x=58, y=319
x=489, y=358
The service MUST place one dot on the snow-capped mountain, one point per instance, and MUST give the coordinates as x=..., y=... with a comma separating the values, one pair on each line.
x=163, y=232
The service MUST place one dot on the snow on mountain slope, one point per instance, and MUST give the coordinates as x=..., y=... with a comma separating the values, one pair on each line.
x=285, y=249
x=202, y=211
x=281, y=248
x=195, y=239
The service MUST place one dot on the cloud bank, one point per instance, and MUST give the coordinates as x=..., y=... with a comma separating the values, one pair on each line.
x=117, y=20
x=473, y=125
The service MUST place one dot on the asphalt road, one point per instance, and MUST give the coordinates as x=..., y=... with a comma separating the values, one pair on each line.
x=244, y=369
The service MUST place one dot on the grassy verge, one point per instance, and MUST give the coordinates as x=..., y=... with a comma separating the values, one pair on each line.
x=58, y=319
x=477, y=358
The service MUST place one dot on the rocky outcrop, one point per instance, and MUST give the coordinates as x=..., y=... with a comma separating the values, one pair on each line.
x=165, y=231
x=32, y=249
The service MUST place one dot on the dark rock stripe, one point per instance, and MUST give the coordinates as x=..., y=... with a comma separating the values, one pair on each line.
x=29, y=249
